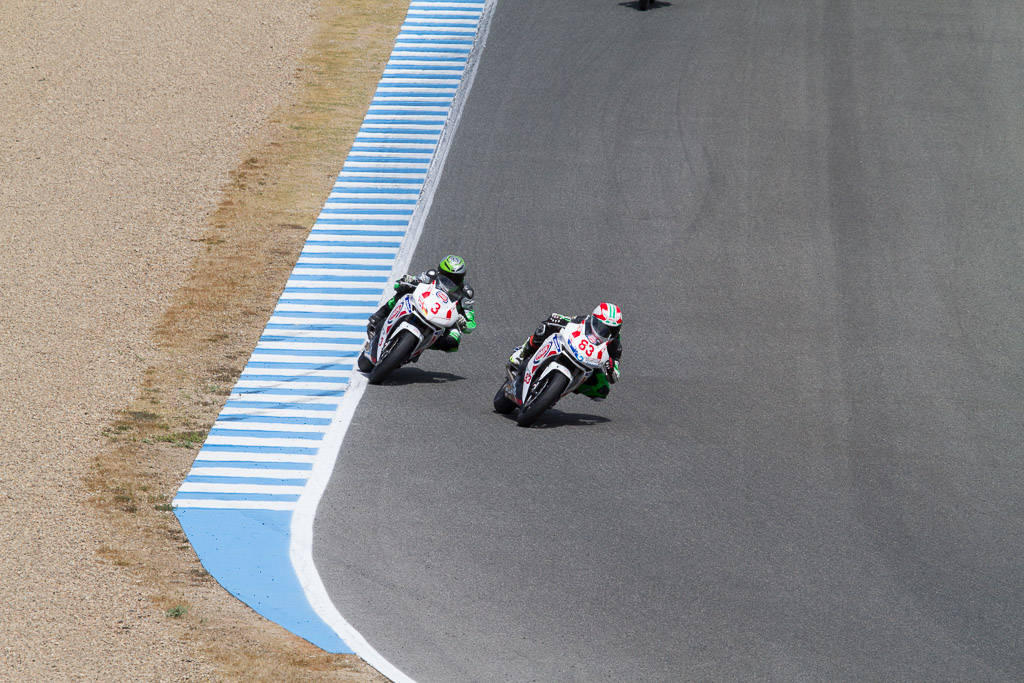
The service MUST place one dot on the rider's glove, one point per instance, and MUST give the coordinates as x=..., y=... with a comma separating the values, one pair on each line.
x=462, y=323
x=613, y=372
x=407, y=280
x=470, y=324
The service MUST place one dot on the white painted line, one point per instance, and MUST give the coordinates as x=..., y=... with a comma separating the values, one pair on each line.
x=256, y=373
x=336, y=197
x=214, y=504
x=314, y=262
x=251, y=472
x=398, y=124
x=215, y=456
x=394, y=152
x=316, y=306
x=305, y=511
x=425, y=147
x=270, y=426
x=295, y=293
x=328, y=245
x=427, y=138
x=320, y=350
x=341, y=335
x=434, y=47
x=433, y=12
x=364, y=236
x=255, y=413
x=192, y=487
x=273, y=398
x=338, y=276
x=258, y=442
x=336, y=208
x=433, y=67
x=361, y=182
x=408, y=71
x=307, y=388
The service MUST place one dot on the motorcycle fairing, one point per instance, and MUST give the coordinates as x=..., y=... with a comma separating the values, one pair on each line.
x=565, y=343
x=399, y=319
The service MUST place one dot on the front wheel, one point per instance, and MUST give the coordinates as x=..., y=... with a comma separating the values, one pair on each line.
x=502, y=403
x=538, y=402
x=644, y=4
x=363, y=363
x=398, y=354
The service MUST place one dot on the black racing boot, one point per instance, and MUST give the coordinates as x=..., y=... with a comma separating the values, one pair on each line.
x=376, y=319
x=520, y=354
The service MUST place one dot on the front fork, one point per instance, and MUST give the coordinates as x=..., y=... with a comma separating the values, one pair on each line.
x=510, y=383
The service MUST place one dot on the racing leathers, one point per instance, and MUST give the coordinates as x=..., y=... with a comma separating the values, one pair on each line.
x=598, y=384
x=462, y=295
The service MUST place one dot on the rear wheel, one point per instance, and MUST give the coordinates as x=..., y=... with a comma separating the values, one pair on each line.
x=542, y=399
x=644, y=4
x=502, y=403
x=398, y=354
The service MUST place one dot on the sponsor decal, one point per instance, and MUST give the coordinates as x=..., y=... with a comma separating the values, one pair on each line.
x=528, y=378
x=442, y=296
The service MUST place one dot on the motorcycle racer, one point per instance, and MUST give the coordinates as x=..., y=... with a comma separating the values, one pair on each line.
x=451, y=268
x=605, y=321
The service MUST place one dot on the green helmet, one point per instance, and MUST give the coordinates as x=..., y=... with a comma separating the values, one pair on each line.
x=454, y=268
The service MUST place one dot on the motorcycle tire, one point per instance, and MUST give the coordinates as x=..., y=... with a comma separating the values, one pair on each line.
x=396, y=356
x=502, y=403
x=363, y=363
x=644, y=5
x=542, y=400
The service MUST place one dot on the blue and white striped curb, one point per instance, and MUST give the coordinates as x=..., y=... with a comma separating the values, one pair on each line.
x=286, y=415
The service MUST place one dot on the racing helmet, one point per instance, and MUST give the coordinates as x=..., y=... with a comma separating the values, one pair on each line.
x=605, y=321
x=453, y=268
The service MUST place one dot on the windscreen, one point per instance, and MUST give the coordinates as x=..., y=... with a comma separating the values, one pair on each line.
x=596, y=328
x=444, y=283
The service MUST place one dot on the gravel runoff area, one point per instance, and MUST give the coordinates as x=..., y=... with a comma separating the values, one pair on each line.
x=119, y=125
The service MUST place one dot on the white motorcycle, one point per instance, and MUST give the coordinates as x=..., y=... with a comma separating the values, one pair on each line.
x=417, y=320
x=563, y=362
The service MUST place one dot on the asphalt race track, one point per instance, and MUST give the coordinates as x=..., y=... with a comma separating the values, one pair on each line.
x=811, y=216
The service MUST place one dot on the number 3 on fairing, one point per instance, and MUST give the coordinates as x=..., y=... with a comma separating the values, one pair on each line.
x=436, y=308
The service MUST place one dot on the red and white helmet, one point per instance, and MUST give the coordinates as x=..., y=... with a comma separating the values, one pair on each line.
x=606, y=320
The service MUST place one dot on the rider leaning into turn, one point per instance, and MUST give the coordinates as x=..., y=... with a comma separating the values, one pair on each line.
x=605, y=321
x=452, y=268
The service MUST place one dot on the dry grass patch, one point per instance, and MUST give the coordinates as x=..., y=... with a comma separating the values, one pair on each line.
x=207, y=335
